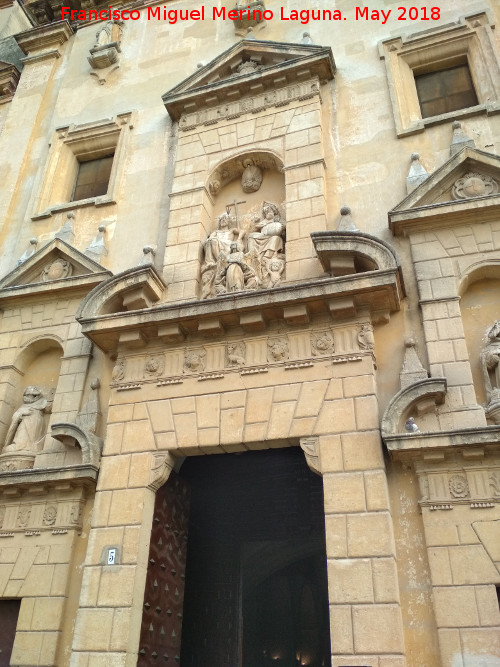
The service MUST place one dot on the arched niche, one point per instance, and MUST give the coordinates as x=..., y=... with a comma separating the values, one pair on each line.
x=480, y=308
x=245, y=245
x=38, y=365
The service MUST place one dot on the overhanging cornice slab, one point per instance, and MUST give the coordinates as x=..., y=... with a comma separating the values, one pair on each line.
x=400, y=444
x=376, y=290
x=78, y=475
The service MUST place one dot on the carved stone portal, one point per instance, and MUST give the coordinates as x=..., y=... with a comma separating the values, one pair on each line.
x=237, y=259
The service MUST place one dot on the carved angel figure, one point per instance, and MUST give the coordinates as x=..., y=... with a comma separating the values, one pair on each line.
x=490, y=363
x=26, y=430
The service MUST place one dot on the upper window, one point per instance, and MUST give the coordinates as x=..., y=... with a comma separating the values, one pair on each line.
x=445, y=90
x=442, y=73
x=93, y=178
x=83, y=166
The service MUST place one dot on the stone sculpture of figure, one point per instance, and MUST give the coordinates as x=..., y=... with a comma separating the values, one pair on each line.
x=27, y=430
x=234, y=272
x=365, y=337
x=267, y=240
x=490, y=362
x=221, y=238
x=273, y=268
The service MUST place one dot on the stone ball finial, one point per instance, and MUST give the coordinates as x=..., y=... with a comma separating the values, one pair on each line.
x=34, y=241
x=199, y=65
x=102, y=228
x=410, y=341
x=345, y=210
x=305, y=34
x=148, y=249
x=95, y=384
x=70, y=214
x=456, y=125
x=415, y=156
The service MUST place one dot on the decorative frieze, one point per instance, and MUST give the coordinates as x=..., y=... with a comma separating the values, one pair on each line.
x=442, y=485
x=254, y=104
x=259, y=354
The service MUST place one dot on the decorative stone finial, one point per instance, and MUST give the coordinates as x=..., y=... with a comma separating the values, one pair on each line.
x=30, y=251
x=345, y=223
x=97, y=249
x=66, y=232
x=412, y=370
x=460, y=139
x=149, y=252
x=199, y=65
x=306, y=38
x=416, y=175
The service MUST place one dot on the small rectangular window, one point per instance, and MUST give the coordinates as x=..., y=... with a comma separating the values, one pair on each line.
x=93, y=178
x=445, y=90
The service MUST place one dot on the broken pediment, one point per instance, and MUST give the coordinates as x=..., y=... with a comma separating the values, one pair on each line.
x=248, y=69
x=470, y=179
x=55, y=267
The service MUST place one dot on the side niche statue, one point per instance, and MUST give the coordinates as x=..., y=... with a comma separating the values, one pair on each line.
x=490, y=364
x=235, y=261
x=27, y=428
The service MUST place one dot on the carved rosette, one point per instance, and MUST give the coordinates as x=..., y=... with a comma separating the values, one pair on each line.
x=474, y=185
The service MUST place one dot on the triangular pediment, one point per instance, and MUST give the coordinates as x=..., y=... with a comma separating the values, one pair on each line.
x=56, y=266
x=247, y=68
x=469, y=179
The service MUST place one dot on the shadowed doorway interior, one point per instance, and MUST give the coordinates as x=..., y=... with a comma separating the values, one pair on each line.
x=256, y=589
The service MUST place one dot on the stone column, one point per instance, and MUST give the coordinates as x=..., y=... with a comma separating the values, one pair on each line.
x=108, y=621
x=365, y=613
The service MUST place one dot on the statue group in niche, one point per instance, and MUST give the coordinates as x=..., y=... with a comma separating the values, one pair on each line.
x=235, y=260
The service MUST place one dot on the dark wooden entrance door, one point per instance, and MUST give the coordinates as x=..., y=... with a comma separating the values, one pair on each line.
x=9, y=612
x=256, y=590
x=164, y=594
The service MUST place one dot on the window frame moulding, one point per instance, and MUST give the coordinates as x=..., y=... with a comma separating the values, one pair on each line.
x=469, y=40
x=89, y=140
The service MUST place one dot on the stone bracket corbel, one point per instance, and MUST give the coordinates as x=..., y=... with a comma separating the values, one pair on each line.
x=72, y=435
x=422, y=396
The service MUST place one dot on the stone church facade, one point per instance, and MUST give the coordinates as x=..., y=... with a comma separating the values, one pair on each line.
x=228, y=243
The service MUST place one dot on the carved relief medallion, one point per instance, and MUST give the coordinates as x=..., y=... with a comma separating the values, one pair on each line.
x=474, y=185
x=194, y=360
x=119, y=370
x=277, y=349
x=23, y=517
x=235, y=354
x=459, y=487
x=49, y=515
x=322, y=343
x=365, y=337
x=56, y=270
x=154, y=365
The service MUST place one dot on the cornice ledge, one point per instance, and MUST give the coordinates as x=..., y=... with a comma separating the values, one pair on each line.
x=134, y=289
x=487, y=435
x=333, y=245
x=90, y=444
x=377, y=290
x=75, y=475
x=44, y=40
x=9, y=79
x=418, y=395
